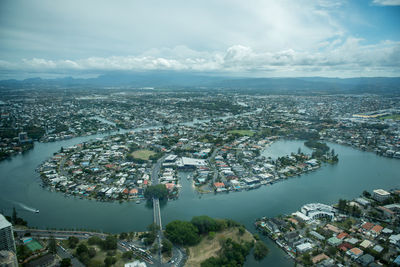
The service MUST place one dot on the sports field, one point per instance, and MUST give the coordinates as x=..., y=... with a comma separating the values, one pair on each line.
x=34, y=245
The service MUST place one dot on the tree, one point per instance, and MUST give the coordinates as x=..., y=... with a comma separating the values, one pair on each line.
x=95, y=240
x=241, y=230
x=366, y=194
x=72, y=241
x=150, y=236
x=232, y=254
x=307, y=259
x=342, y=205
x=82, y=248
x=153, y=228
x=14, y=216
x=95, y=263
x=211, y=235
x=166, y=247
x=205, y=224
x=182, y=233
x=123, y=236
x=260, y=250
x=331, y=251
x=127, y=255
x=108, y=261
x=92, y=252
x=52, y=245
x=211, y=262
x=22, y=252
x=66, y=262
x=110, y=242
x=156, y=191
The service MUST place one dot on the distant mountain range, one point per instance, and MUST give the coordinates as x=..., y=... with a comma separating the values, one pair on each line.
x=179, y=80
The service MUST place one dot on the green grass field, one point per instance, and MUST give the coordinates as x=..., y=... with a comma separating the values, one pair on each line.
x=142, y=154
x=242, y=132
x=395, y=117
x=34, y=245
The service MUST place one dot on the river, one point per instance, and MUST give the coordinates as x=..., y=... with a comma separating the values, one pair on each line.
x=355, y=172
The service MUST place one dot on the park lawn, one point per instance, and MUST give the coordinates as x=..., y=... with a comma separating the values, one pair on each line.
x=100, y=254
x=143, y=154
x=205, y=188
x=242, y=132
x=210, y=248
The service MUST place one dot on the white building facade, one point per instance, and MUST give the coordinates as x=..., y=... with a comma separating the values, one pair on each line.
x=6, y=235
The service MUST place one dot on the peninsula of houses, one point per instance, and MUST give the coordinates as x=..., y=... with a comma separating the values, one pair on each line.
x=120, y=167
x=361, y=232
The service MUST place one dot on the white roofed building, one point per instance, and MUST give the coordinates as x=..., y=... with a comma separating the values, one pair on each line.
x=318, y=210
x=380, y=194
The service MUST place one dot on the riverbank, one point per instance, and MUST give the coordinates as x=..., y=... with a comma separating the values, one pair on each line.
x=360, y=231
x=326, y=186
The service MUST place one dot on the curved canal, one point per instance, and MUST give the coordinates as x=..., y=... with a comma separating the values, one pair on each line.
x=355, y=172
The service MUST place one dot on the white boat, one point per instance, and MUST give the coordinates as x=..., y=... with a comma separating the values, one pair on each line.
x=36, y=211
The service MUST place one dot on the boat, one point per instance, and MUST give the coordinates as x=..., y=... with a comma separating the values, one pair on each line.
x=137, y=201
x=36, y=211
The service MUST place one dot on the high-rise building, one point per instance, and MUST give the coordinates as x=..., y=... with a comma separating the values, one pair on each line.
x=6, y=235
x=8, y=259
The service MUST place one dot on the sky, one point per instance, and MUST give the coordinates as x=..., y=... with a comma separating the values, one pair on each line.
x=252, y=38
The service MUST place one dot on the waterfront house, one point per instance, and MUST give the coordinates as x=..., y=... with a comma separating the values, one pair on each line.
x=345, y=246
x=366, y=244
x=334, y=241
x=366, y=226
x=342, y=235
x=319, y=258
x=304, y=247
x=366, y=259
x=355, y=253
x=291, y=238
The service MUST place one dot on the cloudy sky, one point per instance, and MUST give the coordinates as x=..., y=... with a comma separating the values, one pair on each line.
x=264, y=38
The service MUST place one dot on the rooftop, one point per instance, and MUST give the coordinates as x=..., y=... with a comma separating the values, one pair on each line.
x=381, y=192
x=3, y=222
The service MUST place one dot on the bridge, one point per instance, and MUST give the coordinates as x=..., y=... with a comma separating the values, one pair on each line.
x=156, y=205
x=178, y=258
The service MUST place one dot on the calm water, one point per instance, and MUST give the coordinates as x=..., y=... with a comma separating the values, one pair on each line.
x=355, y=172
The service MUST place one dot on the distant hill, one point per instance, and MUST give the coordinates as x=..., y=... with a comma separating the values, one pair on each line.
x=315, y=84
x=179, y=80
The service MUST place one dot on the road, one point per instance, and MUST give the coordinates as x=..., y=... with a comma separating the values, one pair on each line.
x=63, y=253
x=156, y=205
x=178, y=254
x=210, y=159
x=157, y=221
x=57, y=234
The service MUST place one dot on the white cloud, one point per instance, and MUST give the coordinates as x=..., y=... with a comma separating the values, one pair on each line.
x=255, y=36
x=386, y=2
x=349, y=55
